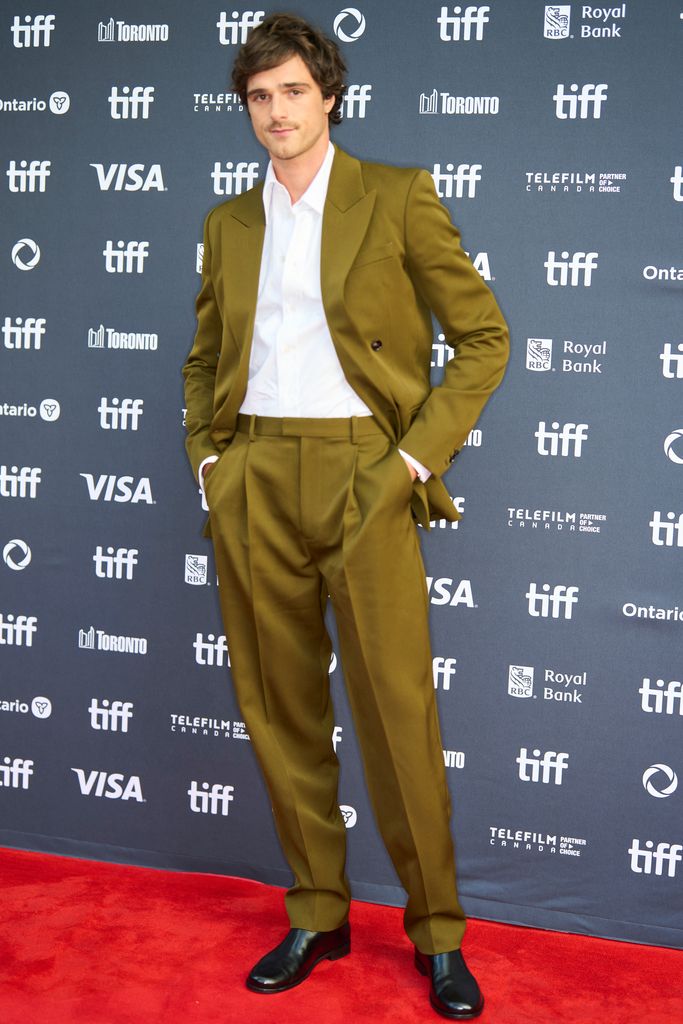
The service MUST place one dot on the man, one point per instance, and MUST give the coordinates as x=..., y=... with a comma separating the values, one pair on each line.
x=314, y=429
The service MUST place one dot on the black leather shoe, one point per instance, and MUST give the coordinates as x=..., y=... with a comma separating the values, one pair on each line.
x=293, y=960
x=454, y=991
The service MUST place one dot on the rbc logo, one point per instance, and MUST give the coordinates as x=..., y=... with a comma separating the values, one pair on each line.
x=235, y=178
x=578, y=104
x=572, y=271
x=563, y=441
x=210, y=799
x=556, y=22
x=232, y=32
x=457, y=27
x=35, y=31
x=132, y=102
x=544, y=768
x=452, y=183
x=549, y=604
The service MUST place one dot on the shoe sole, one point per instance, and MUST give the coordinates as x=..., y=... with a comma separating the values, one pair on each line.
x=334, y=954
x=445, y=1013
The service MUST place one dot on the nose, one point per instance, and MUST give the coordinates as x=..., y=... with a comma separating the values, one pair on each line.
x=278, y=107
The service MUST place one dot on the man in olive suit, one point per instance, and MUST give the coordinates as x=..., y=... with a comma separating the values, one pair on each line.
x=314, y=429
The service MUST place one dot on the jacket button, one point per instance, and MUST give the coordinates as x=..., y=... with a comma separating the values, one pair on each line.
x=376, y=345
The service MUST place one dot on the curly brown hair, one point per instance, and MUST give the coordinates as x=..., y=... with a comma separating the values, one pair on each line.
x=281, y=36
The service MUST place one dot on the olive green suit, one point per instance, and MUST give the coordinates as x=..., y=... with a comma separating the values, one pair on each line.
x=303, y=509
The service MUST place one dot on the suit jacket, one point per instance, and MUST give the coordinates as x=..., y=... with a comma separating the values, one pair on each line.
x=389, y=257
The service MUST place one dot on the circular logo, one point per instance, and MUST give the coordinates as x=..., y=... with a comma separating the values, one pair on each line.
x=669, y=443
x=50, y=409
x=25, y=254
x=41, y=707
x=652, y=773
x=349, y=815
x=16, y=554
x=59, y=102
x=347, y=34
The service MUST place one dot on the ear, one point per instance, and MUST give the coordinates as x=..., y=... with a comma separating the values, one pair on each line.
x=328, y=103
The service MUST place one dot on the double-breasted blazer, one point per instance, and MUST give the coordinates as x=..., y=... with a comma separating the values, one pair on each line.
x=390, y=256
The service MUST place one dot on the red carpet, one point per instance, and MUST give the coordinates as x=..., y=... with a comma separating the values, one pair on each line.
x=96, y=943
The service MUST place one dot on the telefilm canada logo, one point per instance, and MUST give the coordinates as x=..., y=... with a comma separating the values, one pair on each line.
x=574, y=182
x=208, y=726
x=562, y=687
x=554, y=520
x=216, y=103
x=577, y=356
x=535, y=841
x=596, y=22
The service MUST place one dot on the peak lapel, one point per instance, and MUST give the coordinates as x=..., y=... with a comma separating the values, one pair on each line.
x=242, y=238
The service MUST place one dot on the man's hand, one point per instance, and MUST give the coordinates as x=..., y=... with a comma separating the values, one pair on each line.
x=411, y=469
x=207, y=469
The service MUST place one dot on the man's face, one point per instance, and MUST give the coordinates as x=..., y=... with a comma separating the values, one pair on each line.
x=287, y=110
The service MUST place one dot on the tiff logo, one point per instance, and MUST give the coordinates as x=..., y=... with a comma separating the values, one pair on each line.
x=581, y=265
x=17, y=630
x=210, y=799
x=15, y=772
x=23, y=334
x=235, y=178
x=457, y=27
x=662, y=697
x=211, y=651
x=28, y=177
x=549, y=604
x=451, y=184
x=35, y=31
x=115, y=564
x=120, y=415
x=670, y=854
x=110, y=715
x=443, y=670
x=578, y=104
x=132, y=102
x=672, y=362
x=19, y=483
x=356, y=97
x=677, y=182
x=543, y=768
x=563, y=441
x=232, y=32
x=126, y=257
x=667, y=534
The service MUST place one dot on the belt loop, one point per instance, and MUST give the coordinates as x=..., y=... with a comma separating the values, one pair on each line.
x=354, y=430
x=252, y=426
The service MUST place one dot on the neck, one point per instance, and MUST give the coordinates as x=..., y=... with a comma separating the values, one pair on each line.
x=298, y=173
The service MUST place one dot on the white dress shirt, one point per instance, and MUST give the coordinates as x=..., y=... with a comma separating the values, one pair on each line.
x=294, y=369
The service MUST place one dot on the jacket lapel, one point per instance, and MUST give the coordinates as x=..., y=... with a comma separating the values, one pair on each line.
x=243, y=234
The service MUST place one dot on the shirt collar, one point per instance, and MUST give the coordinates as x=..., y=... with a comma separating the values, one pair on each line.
x=315, y=194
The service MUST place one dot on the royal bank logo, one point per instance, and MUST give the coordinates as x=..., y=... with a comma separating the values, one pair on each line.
x=564, y=441
x=197, y=570
x=437, y=102
x=650, y=858
x=26, y=254
x=554, y=603
x=211, y=650
x=130, y=177
x=16, y=554
x=125, y=257
x=233, y=29
x=19, y=481
x=571, y=103
x=450, y=592
x=23, y=334
x=132, y=102
x=672, y=362
x=546, y=768
x=121, y=32
x=40, y=707
x=573, y=271
x=463, y=24
x=231, y=179
x=677, y=182
x=110, y=715
x=97, y=640
x=122, y=341
x=207, y=798
x=28, y=175
x=112, y=785
x=32, y=30
x=120, y=413
x=456, y=182
x=443, y=670
x=673, y=446
x=15, y=772
x=660, y=781
x=355, y=100
x=521, y=680
x=661, y=697
x=539, y=354
x=556, y=21
x=668, y=531
x=349, y=814
x=349, y=25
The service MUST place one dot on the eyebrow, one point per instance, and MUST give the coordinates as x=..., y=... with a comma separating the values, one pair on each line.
x=282, y=85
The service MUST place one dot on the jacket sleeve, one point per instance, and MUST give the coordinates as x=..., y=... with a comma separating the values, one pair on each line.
x=471, y=321
x=199, y=370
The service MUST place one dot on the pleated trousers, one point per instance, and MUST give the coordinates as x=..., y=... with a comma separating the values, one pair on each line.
x=303, y=510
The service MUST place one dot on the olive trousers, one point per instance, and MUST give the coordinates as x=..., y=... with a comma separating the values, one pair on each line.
x=302, y=510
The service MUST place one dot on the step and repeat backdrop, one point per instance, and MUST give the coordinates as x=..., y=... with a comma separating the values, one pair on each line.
x=553, y=133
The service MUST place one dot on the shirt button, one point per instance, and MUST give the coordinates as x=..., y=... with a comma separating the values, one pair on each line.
x=376, y=345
